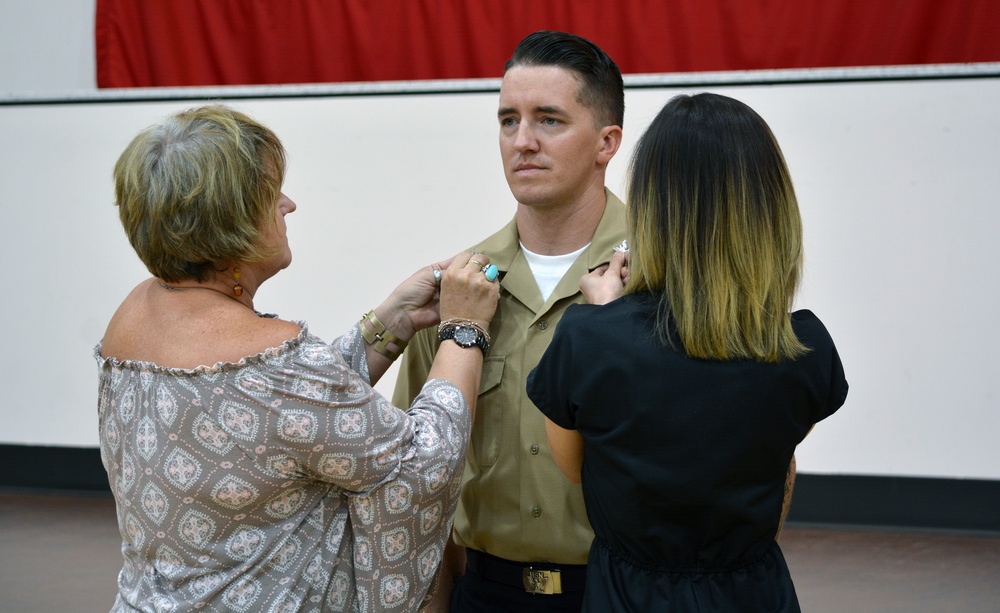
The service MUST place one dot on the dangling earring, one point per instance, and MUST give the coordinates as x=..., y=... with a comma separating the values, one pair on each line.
x=237, y=289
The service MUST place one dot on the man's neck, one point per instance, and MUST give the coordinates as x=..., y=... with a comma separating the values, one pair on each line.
x=558, y=230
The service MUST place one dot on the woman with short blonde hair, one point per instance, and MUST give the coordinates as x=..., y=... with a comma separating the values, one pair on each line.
x=253, y=465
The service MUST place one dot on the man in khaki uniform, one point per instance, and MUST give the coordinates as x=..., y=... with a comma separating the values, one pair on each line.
x=521, y=532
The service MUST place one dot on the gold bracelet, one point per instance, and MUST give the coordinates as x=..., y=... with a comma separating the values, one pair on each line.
x=456, y=321
x=379, y=336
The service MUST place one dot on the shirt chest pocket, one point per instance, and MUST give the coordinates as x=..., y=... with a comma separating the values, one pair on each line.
x=488, y=428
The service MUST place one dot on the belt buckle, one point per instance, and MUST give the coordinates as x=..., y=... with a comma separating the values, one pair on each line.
x=538, y=581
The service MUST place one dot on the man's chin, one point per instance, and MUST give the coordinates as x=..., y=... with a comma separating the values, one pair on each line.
x=532, y=197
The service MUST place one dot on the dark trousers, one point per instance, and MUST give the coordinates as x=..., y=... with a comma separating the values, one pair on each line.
x=493, y=584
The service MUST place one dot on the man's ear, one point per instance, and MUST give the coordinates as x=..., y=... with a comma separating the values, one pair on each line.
x=611, y=140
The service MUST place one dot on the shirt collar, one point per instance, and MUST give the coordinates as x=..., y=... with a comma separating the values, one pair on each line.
x=503, y=247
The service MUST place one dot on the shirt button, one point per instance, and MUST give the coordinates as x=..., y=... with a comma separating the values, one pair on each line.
x=536, y=511
x=534, y=449
x=542, y=325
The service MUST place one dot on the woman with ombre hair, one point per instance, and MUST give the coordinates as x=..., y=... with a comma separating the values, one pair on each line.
x=679, y=394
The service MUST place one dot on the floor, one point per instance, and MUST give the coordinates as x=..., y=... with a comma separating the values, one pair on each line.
x=60, y=553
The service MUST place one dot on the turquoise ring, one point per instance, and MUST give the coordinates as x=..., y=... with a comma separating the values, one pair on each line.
x=491, y=272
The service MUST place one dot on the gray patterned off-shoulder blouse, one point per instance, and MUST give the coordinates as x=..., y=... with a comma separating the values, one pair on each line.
x=283, y=482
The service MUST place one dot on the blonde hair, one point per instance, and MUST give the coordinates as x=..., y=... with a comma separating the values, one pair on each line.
x=198, y=191
x=715, y=229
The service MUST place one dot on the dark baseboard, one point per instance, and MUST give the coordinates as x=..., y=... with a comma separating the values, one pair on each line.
x=905, y=502
x=899, y=502
x=53, y=468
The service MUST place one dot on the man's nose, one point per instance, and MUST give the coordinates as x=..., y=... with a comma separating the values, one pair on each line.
x=526, y=138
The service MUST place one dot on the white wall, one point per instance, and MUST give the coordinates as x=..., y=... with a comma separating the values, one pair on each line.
x=897, y=182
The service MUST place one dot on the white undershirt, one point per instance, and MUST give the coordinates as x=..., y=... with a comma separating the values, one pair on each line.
x=550, y=269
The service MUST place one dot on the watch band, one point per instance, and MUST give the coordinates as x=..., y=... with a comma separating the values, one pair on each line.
x=465, y=336
x=457, y=321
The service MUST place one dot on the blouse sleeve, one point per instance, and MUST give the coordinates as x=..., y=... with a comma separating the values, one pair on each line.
x=313, y=414
x=838, y=385
x=823, y=360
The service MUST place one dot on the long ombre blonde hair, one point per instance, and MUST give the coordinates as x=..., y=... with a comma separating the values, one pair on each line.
x=715, y=230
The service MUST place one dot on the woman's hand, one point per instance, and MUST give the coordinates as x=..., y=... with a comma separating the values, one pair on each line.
x=466, y=292
x=413, y=305
x=419, y=302
x=605, y=283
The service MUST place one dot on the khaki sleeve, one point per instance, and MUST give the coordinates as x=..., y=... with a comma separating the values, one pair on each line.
x=415, y=365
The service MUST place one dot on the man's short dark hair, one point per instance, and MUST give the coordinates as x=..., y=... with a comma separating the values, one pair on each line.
x=601, y=90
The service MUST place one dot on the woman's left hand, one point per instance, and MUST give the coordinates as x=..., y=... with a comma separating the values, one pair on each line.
x=413, y=305
x=605, y=283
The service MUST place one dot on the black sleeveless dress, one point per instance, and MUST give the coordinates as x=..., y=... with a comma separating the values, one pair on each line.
x=684, y=459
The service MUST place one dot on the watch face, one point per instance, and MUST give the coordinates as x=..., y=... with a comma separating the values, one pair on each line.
x=465, y=337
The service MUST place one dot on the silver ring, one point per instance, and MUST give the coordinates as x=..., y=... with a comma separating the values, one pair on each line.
x=478, y=263
x=437, y=275
x=491, y=272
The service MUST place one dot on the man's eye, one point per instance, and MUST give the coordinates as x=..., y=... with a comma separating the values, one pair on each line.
x=507, y=121
x=550, y=121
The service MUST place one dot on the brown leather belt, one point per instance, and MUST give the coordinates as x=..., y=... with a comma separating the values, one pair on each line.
x=533, y=577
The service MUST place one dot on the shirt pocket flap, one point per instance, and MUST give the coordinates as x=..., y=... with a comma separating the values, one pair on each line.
x=492, y=373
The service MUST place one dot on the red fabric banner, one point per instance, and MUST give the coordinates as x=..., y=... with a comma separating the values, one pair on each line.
x=145, y=43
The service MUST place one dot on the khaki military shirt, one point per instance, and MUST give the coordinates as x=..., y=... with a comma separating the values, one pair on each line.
x=515, y=503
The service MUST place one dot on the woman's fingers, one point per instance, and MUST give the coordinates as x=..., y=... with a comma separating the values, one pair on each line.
x=469, y=259
x=605, y=283
x=619, y=260
x=467, y=290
